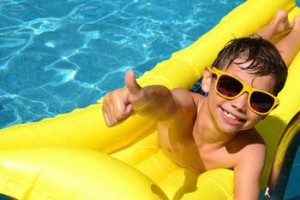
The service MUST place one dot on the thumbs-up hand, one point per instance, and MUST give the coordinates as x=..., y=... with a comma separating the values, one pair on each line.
x=119, y=104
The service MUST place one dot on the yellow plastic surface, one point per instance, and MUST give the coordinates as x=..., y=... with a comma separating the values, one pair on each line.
x=75, y=156
x=52, y=173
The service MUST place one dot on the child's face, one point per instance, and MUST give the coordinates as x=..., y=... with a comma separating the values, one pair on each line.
x=235, y=115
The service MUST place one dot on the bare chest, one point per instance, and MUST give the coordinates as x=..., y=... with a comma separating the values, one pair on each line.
x=184, y=151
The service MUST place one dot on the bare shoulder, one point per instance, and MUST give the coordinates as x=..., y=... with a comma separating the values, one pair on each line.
x=186, y=99
x=181, y=92
x=250, y=147
x=248, y=138
x=186, y=95
x=185, y=113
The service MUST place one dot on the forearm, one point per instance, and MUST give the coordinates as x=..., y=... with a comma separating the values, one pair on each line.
x=247, y=175
x=250, y=194
x=157, y=103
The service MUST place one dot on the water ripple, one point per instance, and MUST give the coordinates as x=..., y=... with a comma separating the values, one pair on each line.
x=59, y=55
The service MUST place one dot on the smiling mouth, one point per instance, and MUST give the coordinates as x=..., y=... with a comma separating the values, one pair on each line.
x=233, y=117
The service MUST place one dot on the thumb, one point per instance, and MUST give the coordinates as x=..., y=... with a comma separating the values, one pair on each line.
x=132, y=85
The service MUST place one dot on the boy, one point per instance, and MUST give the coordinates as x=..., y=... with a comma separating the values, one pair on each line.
x=217, y=130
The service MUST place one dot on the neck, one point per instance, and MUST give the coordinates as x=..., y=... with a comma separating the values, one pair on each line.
x=207, y=132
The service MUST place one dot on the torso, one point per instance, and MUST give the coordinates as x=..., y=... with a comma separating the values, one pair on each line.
x=185, y=152
x=186, y=149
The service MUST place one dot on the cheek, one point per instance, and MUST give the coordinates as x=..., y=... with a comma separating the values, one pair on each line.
x=253, y=118
x=214, y=99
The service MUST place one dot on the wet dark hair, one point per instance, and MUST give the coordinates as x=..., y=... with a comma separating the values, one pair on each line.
x=264, y=56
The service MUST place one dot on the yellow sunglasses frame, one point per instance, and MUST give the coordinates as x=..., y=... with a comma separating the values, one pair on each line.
x=246, y=88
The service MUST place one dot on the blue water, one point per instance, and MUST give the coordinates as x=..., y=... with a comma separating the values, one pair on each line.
x=293, y=192
x=59, y=55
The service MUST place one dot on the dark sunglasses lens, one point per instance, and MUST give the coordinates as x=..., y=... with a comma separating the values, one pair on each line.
x=229, y=86
x=261, y=102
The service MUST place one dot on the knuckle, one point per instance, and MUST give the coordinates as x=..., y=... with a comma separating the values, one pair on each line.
x=119, y=116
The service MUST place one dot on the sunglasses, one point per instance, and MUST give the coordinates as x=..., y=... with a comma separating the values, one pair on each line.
x=230, y=87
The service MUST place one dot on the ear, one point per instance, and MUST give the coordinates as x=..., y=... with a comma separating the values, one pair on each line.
x=207, y=79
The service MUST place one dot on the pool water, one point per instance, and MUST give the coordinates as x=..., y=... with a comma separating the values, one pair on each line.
x=292, y=192
x=59, y=55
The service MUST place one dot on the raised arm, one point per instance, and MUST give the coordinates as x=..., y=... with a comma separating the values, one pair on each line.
x=156, y=102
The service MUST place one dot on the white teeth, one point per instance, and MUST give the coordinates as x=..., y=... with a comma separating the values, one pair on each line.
x=229, y=115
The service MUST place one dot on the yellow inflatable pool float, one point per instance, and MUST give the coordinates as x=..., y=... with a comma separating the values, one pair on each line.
x=75, y=156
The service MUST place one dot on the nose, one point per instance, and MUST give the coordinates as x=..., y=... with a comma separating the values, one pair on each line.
x=240, y=103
